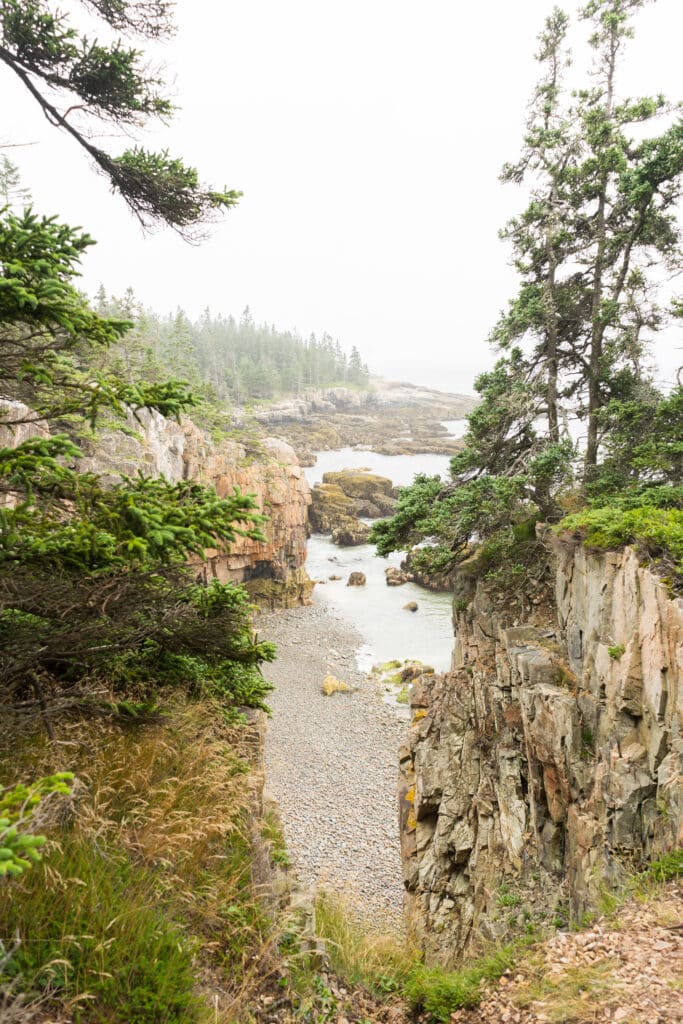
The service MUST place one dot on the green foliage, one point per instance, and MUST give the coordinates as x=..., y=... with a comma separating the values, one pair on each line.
x=616, y=652
x=657, y=531
x=137, y=521
x=441, y=993
x=19, y=849
x=271, y=830
x=114, y=84
x=94, y=588
x=47, y=327
x=664, y=869
x=643, y=449
x=412, y=520
x=102, y=930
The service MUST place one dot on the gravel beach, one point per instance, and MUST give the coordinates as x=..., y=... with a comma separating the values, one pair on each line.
x=331, y=763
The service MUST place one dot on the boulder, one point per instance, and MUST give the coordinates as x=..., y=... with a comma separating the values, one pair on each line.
x=410, y=607
x=396, y=577
x=330, y=507
x=350, y=533
x=356, y=579
x=332, y=685
x=359, y=483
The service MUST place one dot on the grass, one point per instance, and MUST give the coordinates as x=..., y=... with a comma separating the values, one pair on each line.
x=645, y=885
x=98, y=942
x=384, y=964
x=440, y=992
x=375, y=959
x=649, y=882
x=149, y=888
x=271, y=831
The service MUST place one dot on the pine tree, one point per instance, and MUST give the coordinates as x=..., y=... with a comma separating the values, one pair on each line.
x=12, y=193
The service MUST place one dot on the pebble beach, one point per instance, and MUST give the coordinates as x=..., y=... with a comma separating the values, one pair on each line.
x=331, y=763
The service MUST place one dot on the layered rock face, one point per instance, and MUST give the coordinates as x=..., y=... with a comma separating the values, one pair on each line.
x=272, y=570
x=548, y=764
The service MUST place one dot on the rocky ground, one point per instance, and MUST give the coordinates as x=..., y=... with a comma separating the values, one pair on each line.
x=625, y=968
x=331, y=763
x=391, y=418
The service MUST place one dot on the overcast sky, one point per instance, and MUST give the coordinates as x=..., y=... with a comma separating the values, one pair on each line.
x=367, y=138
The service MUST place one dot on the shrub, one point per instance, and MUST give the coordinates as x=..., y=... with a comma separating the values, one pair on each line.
x=659, y=531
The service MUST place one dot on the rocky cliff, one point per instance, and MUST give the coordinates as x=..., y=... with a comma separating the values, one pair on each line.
x=548, y=764
x=272, y=570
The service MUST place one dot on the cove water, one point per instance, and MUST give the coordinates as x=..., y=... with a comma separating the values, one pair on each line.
x=389, y=631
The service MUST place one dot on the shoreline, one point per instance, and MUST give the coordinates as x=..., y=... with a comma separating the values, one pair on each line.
x=332, y=765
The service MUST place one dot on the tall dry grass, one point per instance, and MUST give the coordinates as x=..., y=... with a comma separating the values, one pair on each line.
x=146, y=885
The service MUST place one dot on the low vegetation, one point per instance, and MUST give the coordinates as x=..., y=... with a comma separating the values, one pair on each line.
x=656, y=532
x=147, y=873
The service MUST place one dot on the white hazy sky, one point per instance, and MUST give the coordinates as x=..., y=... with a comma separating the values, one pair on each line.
x=367, y=137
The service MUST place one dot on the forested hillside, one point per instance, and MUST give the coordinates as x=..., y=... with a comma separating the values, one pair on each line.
x=229, y=362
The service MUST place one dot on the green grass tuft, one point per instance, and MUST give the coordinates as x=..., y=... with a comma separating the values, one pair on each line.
x=441, y=993
x=95, y=937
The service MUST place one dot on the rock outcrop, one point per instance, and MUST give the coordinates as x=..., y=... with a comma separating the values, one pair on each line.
x=273, y=570
x=548, y=763
x=343, y=498
x=390, y=417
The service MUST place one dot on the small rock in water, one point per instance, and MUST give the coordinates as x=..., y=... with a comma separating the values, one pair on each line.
x=356, y=579
x=410, y=607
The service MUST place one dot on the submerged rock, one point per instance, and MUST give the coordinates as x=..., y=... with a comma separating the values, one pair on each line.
x=410, y=607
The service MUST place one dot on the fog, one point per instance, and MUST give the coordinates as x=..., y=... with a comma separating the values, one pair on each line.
x=367, y=138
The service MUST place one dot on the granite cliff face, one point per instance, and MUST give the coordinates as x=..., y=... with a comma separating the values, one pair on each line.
x=273, y=571
x=549, y=762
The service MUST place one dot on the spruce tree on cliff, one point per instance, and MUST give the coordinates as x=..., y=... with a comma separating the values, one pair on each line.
x=596, y=243
x=98, y=608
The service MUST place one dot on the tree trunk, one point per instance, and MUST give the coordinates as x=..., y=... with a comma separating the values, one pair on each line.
x=597, y=324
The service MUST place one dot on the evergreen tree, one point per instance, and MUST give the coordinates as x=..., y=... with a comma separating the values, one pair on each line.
x=12, y=193
x=63, y=68
x=95, y=595
x=592, y=248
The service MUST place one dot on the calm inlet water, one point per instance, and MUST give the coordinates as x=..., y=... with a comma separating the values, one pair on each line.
x=401, y=469
x=376, y=610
